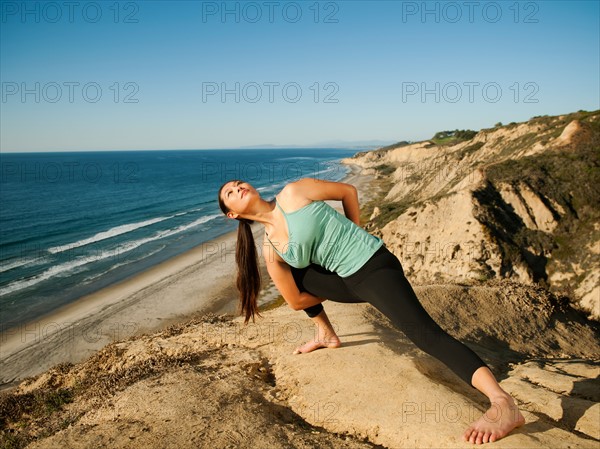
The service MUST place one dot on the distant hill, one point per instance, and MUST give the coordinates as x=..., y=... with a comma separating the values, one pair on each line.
x=358, y=144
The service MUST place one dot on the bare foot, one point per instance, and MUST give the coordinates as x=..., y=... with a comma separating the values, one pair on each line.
x=497, y=422
x=320, y=341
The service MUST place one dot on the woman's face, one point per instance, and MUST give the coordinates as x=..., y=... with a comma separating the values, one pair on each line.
x=237, y=196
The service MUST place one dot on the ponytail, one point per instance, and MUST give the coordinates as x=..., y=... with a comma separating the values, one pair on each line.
x=248, y=275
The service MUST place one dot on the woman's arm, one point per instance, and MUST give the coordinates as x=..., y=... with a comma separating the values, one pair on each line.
x=282, y=276
x=319, y=189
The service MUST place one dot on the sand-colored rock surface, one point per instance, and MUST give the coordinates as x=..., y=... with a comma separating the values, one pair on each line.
x=574, y=133
x=216, y=383
x=530, y=207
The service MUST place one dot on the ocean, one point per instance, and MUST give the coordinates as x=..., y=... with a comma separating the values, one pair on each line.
x=72, y=223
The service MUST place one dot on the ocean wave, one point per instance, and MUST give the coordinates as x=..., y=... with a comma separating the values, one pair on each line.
x=113, y=267
x=62, y=270
x=118, y=230
x=182, y=228
x=23, y=262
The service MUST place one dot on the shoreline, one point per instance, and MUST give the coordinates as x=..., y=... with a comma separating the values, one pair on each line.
x=143, y=303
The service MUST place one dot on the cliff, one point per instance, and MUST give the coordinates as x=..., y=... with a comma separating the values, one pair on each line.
x=515, y=202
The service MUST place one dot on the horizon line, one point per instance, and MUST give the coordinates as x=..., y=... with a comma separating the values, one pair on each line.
x=272, y=147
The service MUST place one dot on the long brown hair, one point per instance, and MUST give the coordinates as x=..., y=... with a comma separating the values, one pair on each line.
x=248, y=275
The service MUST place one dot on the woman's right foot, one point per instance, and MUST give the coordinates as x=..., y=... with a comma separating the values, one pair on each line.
x=321, y=341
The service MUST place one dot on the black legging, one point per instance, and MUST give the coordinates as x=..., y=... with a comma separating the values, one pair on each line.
x=381, y=282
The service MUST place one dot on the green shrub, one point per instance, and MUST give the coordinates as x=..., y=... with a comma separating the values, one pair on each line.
x=385, y=169
x=466, y=151
x=453, y=137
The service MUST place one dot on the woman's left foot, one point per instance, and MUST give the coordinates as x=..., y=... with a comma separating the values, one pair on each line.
x=500, y=419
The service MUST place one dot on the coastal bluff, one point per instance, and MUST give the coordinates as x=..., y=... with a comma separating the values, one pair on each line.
x=515, y=202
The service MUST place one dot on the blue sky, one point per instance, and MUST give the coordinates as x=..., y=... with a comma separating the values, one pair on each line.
x=109, y=75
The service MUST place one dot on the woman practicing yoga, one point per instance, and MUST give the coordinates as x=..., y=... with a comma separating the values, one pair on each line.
x=321, y=254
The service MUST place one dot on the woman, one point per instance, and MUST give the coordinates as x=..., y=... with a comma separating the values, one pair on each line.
x=314, y=253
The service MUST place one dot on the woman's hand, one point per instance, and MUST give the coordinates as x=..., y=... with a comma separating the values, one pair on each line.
x=322, y=190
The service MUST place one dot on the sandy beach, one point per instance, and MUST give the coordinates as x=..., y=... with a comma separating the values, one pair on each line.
x=199, y=281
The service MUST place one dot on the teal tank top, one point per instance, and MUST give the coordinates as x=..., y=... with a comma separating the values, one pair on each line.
x=321, y=235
